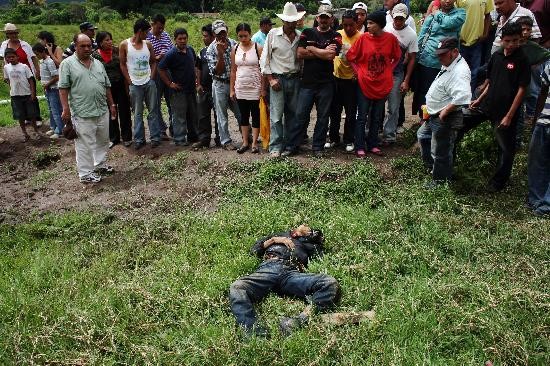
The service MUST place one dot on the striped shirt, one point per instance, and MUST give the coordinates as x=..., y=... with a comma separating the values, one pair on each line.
x=544, y=117
x=212, y=58
x=162, y=44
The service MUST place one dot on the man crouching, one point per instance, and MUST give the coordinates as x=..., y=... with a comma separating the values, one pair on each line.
x=285, y=257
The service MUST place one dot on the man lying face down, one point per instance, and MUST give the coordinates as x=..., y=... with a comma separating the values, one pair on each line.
x=285, y=257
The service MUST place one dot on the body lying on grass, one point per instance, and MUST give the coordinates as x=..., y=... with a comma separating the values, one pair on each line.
x=285, y=257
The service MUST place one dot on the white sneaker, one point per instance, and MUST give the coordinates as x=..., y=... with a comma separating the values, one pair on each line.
x=50, y=132
x=54, y=136
x=91, y=178
x=349, y=148
x=330, y=145
x=38, y=123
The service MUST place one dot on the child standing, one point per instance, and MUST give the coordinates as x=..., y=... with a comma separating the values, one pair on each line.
x=49, y=77
x=508, y=76
x=22, y=91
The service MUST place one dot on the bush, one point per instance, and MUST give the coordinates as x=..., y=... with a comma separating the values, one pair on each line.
x=183, y=17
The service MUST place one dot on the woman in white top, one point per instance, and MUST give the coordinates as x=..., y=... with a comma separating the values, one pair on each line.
x=246, y=85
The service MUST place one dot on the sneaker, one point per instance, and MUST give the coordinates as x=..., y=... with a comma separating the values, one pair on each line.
x=111, y=144
x=50, y=132
x=229, y=146
x=155, y=144
x=330, y=145
x=54, y=136
x=38, y=123
x=275, y=154
x=289, y=153
x=349, y=148
x=361, y=153
x=400, y=129
x=104, y=170
x=90, y=178
x=127, y=143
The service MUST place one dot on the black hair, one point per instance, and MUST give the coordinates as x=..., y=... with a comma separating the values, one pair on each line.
x=511, y=29
x=47, y=36
x=525, y=20
x=300, y=7
x=8, y=51
x=244, y=27
x=141, y=25
x=159, y=18
x=350, y=14
x=100, y=37
x=179, y=31
x=39, y=47
x=207, y=28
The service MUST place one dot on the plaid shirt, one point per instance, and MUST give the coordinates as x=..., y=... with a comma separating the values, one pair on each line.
x=212, y=58
x=160, y=45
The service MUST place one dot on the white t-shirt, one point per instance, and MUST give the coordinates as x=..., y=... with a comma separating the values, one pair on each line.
x=408, y=42
x=47, y=71
x=18, y=76
x=409, y=21
x=517, y=13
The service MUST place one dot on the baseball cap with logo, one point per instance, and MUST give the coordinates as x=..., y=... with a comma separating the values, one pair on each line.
x=446, y=45
x=325, y=10
x=400, y=10
x=218, y=26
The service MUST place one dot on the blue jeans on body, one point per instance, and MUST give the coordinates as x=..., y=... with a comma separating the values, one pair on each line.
x=473, y=55
x=534, y=90
x=394, y=102
x=322, y=98
x=183, y=105
x=442, y=145
x=282, y=102
x=538, y=169
x=139, y=94
x=276, y=275
x=220, y=97
x=54, y=104
x=371, y=111
x=162, y=91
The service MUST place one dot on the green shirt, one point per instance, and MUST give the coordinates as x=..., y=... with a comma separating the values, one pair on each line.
x=87, y=87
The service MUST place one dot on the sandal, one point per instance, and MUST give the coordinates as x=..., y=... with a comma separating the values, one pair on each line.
x=255, y=150
x=376, y=151
x=242, y=149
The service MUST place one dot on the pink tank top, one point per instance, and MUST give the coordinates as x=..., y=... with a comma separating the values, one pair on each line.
x=248, y=78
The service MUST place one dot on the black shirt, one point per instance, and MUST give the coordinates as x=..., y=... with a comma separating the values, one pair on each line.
x=202, y=64
x=317, y=71
x=506, y=74
x=181, y=67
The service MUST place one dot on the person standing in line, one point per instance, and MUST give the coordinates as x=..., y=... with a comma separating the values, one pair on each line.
x=161, y=45
x=108, y=55
x=218, y=55
x=281, y=68
x=47, y=40
x=402, y=72
x=88, y=29
x=317, y=47
x=139, y=67
x=374, y=57
x=360, y=9
x=246, y=85
x=177, y=71
x=85, y=93
x=265, y=26
x=345, y=95
x=508, y=12
x=301, y=23
x=204, y=94
x=389, y=5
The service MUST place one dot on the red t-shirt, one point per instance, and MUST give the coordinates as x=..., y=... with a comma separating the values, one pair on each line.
x=22, y=57
x=374, y=59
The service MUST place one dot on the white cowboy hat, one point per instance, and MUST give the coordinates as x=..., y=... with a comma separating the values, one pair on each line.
x=10, y=27
x=290, y=14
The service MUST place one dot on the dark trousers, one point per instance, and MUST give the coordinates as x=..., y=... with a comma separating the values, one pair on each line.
x=163, y=91
x=506, y=140
x=345, y=96
x=249, y=108
x=275, y=275
x=204, y=106
x=120, y=127
x=444, y=135
x=370, y=113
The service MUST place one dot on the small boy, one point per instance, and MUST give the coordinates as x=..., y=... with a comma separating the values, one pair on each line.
x=538, y=166
x=508, y=76
x=22, y=91
x=49, y=77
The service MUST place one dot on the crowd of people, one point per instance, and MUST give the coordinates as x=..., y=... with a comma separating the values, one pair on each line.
x=471, y=61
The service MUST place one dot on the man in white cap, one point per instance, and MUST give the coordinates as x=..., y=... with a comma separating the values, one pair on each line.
x=218, y=55
x=361, y=11
x=282, y=69
x=388, y=5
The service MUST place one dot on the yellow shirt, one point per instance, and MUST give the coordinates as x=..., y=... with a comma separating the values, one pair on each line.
x=475, y=19
x=342, y=68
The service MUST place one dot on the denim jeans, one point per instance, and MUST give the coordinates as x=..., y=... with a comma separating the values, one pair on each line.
x=282, y=102
x=162, y=91
x=277, y=276
x=506, y=140
x=183, y=105
x=394, y=102
x=473, y=54
x=220, y=97
x=139, y=94
x=54, y=104
x=534, y=90
x=424, y=136
x=371, y=110
x=322, y=98
x=345, y=97
x=444, y=135
x=204, y=124
x=538, y=169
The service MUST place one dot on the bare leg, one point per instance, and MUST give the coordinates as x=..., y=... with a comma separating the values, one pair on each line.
x=255, y=134
x=244, y=132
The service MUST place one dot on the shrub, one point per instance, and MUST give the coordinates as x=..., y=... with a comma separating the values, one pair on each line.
x=183, y=17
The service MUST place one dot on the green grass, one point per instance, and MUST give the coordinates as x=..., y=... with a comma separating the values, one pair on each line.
x=454, y=279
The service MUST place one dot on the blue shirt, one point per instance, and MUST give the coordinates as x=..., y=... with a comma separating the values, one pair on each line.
x=181, y=66
x=259, y=37
x=212, y=58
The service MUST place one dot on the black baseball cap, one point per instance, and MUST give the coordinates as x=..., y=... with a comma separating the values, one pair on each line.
x=446, y=44
x=266, y=20
x=86, y=26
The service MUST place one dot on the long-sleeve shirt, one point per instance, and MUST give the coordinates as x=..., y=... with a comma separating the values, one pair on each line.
x=279, y=54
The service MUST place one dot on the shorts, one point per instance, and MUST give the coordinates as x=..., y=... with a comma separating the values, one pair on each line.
x=23, y=107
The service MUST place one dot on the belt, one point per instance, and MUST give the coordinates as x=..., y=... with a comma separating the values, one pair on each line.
x=290, y=75
x=221, y=80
